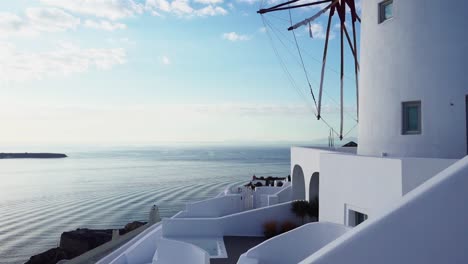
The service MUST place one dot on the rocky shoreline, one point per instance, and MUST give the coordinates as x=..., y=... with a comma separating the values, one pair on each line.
x=77, y=242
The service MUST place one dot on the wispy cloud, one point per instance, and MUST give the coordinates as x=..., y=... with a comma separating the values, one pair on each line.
x=184, y=8
x=64, y=60
x=211, y=11
x=165, y=60
x=212, y=2
x=233, y=36
x=318, y=31
x=35, y=21
x=51, y=19
x=121, y=41
x=109, y=9
x=248, y=1
x=104, y=25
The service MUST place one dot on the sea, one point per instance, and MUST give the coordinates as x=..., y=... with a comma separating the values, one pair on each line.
x=108, y=187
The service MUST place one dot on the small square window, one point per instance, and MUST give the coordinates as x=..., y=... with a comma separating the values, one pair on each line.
x=356, y=218
x=411, y=118
x=385, y=10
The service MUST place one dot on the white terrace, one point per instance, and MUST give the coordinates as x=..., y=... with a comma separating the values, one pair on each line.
x=200, y=233
x=400, y=198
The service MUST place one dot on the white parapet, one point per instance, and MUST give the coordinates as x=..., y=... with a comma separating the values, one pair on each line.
x=139, y=250
x=300, y=242
x=248, y=223
x=214, y=207
x=173, y=251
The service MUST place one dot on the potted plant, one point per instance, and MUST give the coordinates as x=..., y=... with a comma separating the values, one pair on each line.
x=313, y=211
x=300, y=208
x=287, y=226
x=270, y=229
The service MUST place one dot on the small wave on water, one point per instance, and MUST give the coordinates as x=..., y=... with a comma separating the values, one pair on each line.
x=40, y=199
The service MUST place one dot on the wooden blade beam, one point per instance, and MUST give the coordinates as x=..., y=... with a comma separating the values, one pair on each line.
x=355, y=17
x=324, y=62
x=342, y=14
x=352, y=6
x=356, y=70
x=338, y=6
x=351, y=46
x=276, y=8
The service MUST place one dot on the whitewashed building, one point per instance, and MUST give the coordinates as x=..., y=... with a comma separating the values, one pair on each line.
x=399, y=197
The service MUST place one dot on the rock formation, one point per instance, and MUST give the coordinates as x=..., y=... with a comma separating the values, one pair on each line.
x=75, y=243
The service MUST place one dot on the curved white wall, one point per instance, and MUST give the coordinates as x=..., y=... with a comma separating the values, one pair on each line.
x=420, y=54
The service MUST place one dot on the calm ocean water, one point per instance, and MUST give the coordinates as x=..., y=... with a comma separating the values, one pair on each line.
x=107, y=188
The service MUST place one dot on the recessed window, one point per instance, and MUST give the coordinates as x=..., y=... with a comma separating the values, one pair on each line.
x=411, y=118
x=356, y=218
x=385, y=10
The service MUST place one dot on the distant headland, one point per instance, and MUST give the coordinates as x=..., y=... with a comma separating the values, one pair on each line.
x=27, y=155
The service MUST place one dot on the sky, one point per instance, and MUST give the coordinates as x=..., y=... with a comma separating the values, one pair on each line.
x=145, y=71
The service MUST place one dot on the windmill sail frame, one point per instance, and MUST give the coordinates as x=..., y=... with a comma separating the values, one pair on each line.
x=334, y=7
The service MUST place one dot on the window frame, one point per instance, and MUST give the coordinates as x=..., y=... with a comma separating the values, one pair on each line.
x=359, y=218
x=404, y=126
x=350, y=214
x=381, y=10
x=353, y=217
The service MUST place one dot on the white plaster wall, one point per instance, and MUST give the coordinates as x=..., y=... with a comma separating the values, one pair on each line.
x=273, y=250
x=416, y=171
x=261, y=194
x=410, y=232
x=214, y=207
x=139, y=250
x=173, y=251
x=248, y=223
x=309, y=160
x=348, y=181
x=285, y=195
x=420, y=54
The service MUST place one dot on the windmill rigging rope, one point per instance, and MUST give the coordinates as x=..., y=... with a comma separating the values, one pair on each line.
x=351, y=130
x=275, y=31
x=313, y=57
x=279, y=18
x=302, y=61
x=302, y=91
x=283, y=66
x=291, y=79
